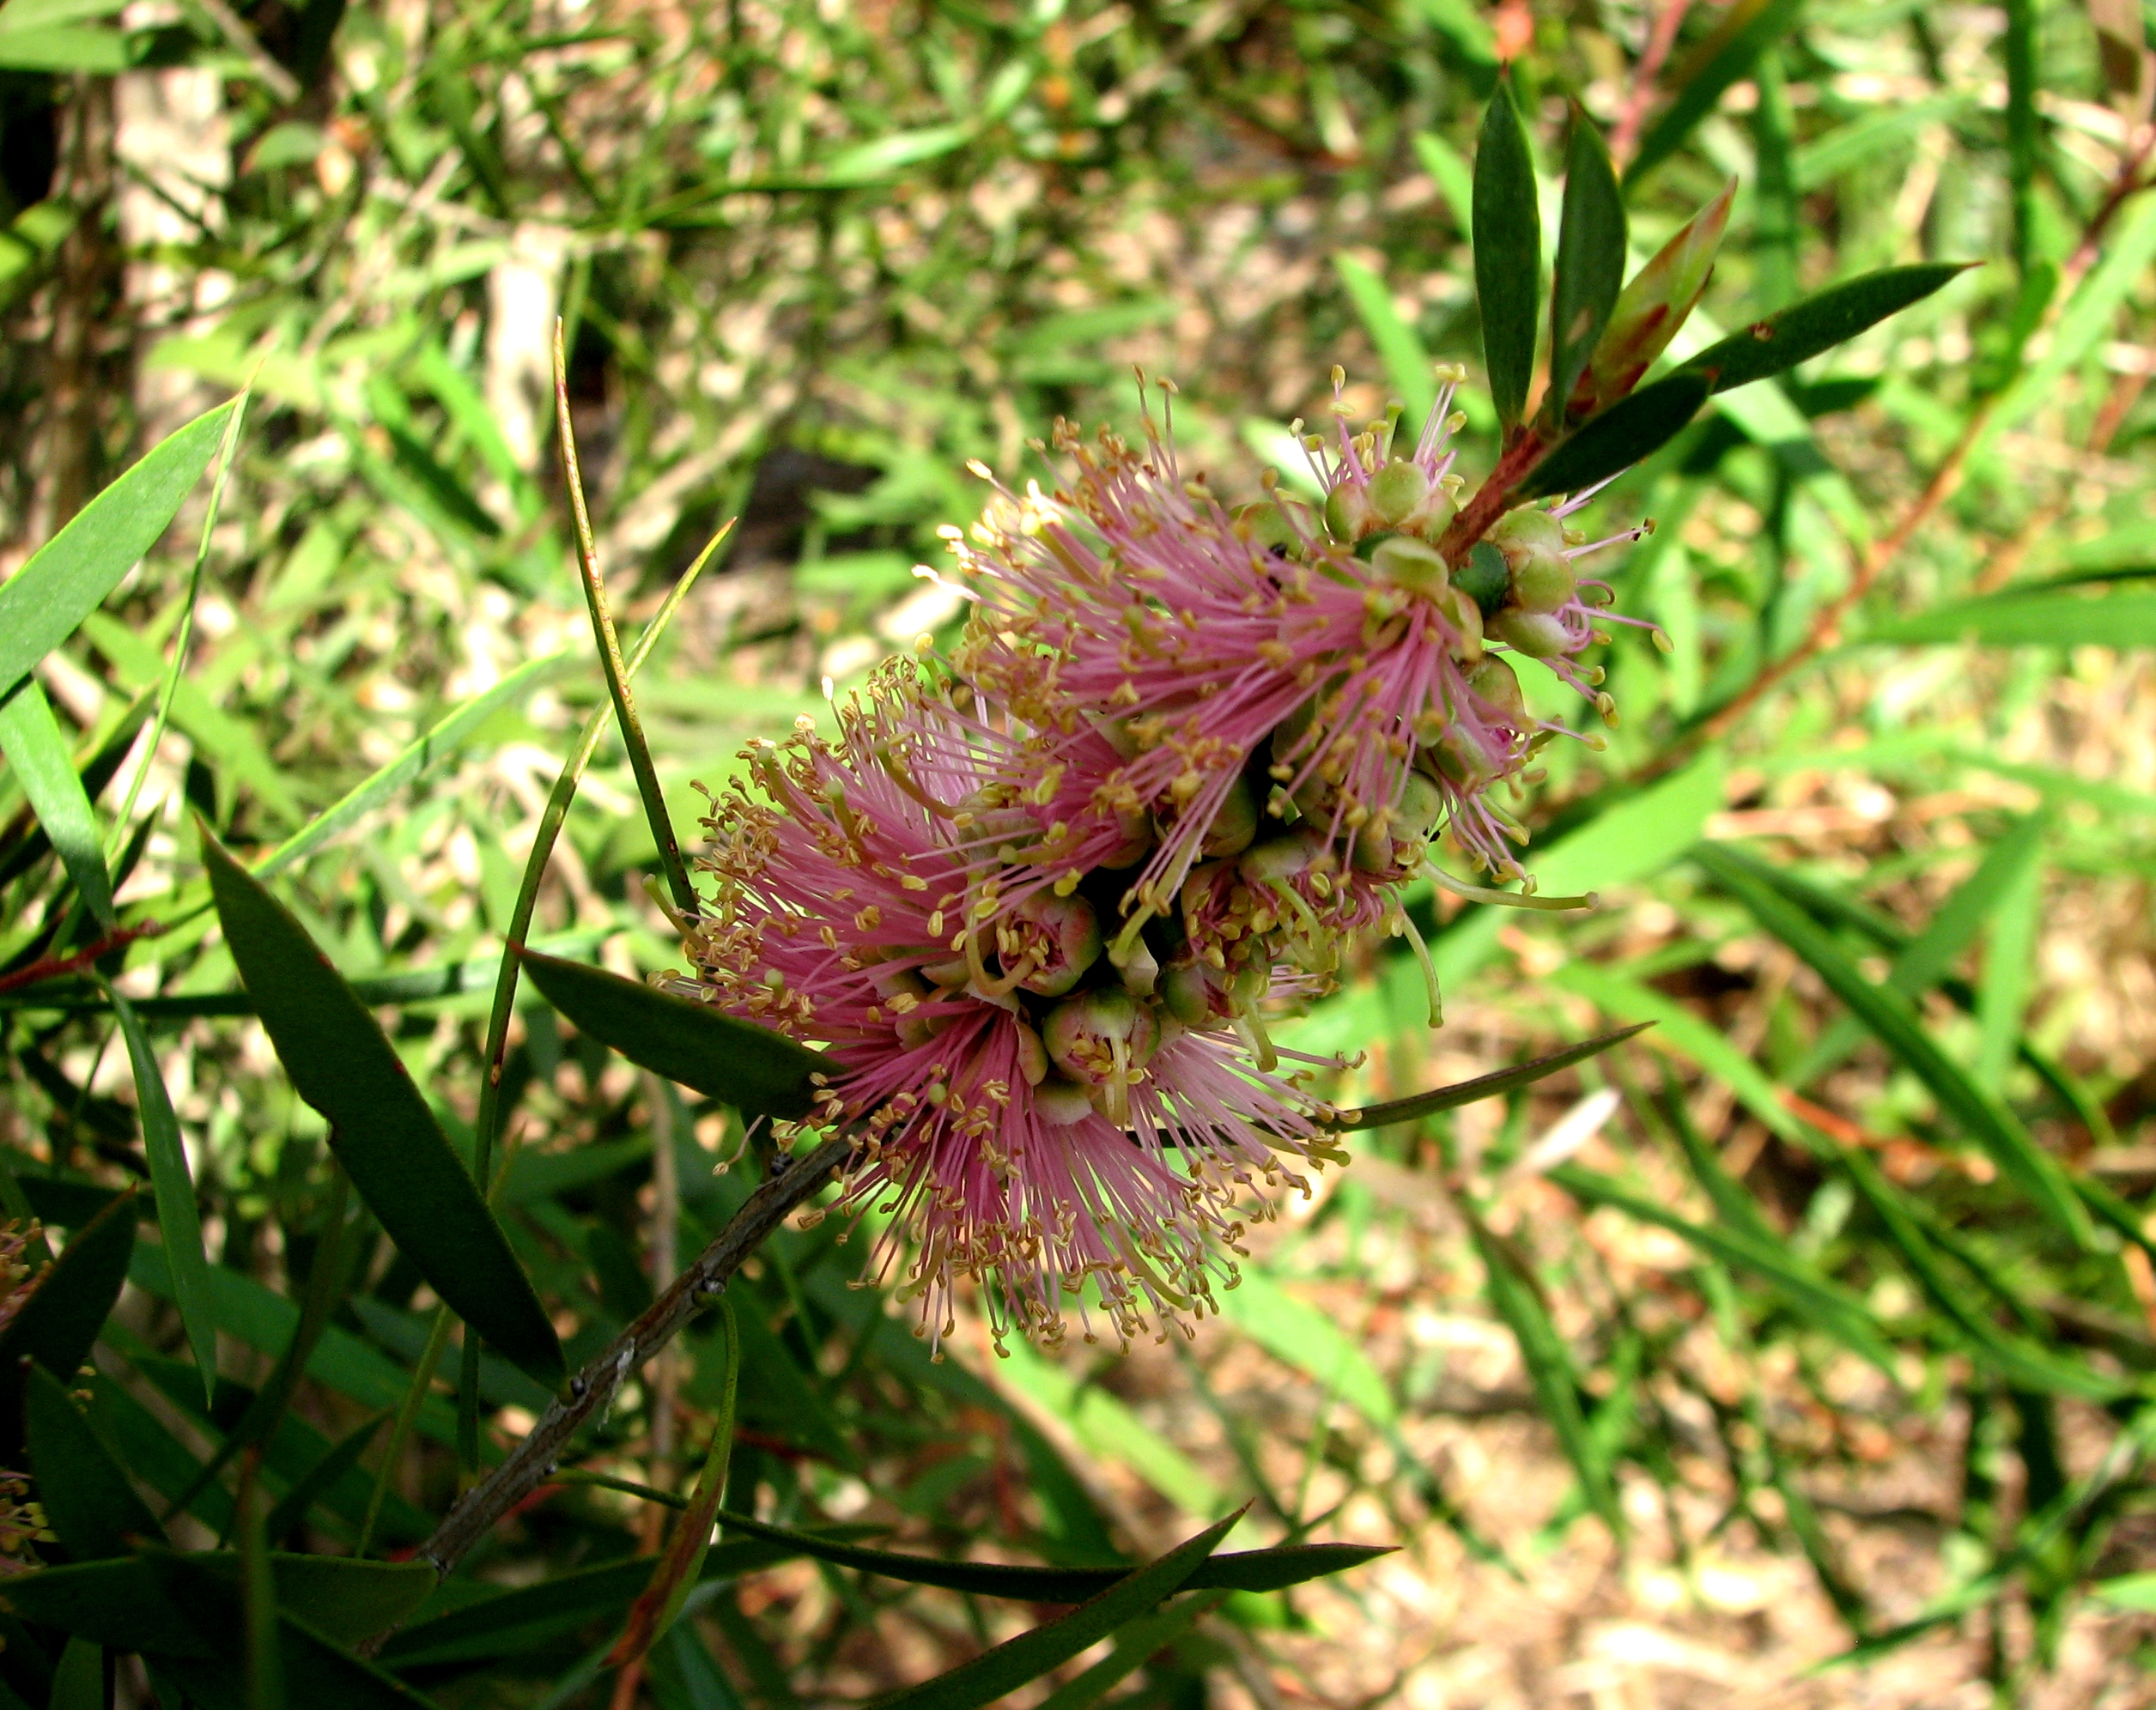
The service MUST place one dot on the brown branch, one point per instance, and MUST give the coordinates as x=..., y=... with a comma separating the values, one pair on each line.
x=592, y=1390
x=54, y=967
x=1660, y=40
x=1491, y=498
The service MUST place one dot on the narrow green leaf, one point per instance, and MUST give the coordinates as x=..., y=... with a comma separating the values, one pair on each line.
x=2018, y=47
x=1629, y=429
x=2016, y=1359
x=423, y=755
x=380, y=1128
x=610, y=648
x=292, y=1508
x=1134, y=1645
x=1491, y=1086
x=761, y=1072
x=1507, y=246
x=2054, y=619
x=1725, y=58
x=45, y=602
x=85, y=1493
x=2009, y=977
x=1816, y=1299
x=178, y=1222
x=1012, y=1664
x=57, y=1325
x=1920, y=962
x=1818, y=323
x=1407, y=364
x=1590, y=261
x=1550, y=1368
x=78, y=1683
x=39, y=755
x=510, y=1622
x=116, y=1602
x=1890, y=1016
x=1249, y=1570
x=346, y=1600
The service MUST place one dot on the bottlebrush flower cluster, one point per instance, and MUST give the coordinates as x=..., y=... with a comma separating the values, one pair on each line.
x=1036, y=899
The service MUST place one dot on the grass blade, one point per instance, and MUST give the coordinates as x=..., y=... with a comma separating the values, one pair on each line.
x=45, y=602
x=609, y=650
x=1513, y=1296
x=1815, y=1299
x=1407, y=364
x=178, y=1222
x=1893, y=1021
x=420, y=756
x=30, y=739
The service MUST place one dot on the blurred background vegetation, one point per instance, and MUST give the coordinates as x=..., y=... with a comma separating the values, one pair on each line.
x=1733, y=1352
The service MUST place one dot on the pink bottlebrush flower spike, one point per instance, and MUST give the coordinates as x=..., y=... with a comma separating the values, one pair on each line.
x=1028, y=1118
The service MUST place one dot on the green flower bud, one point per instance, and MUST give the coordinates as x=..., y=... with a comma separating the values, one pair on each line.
x=1265, y=525
x=1462, y=611
x=1421, y=805
x=1543, y=581
x=1495, y=682
x=1458, y=757
x=1281, y=857
x=1408, y=563
x=1347, y=512
x=1518, y=534
x=1536, y=633
x=1396, y=491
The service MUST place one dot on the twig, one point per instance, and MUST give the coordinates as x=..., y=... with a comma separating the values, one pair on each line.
x=532, y=1461
x=1660, y=40
x=54, y=967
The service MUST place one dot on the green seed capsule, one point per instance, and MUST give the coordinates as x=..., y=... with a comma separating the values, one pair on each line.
x=1536, y=633
x=1542, y=581
x=1517, y=533
x=1495, y=682
x=1395, y=491
x=1263, y=524
x=1347, y=512
x=1407, y=562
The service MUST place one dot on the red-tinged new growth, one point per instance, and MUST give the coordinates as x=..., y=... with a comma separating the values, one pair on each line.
x=1032, y=1115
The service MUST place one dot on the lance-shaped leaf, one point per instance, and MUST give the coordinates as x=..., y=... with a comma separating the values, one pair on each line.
x=1656, y=301
x=380, y=1128
x=1620, y=436
x=763, y=1073
x=58, y=1325
x=1247, y=1570
x=994, y=1673
x=1590, y=260
x=1508, y=245
x=43, y=603
x=1482, y=1087
x=116, y=1603
x=1802, y=331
